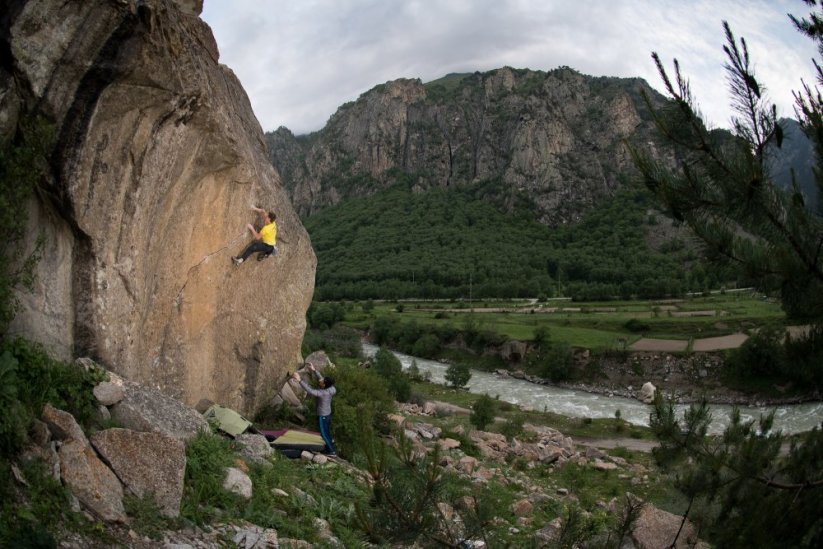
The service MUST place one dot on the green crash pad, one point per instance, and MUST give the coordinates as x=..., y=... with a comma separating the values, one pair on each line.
x=227, y=420
x=292, y=437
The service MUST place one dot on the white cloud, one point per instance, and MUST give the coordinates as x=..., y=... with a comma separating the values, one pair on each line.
x=299, y=61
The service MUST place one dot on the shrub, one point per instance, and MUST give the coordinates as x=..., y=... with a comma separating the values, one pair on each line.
x=558, y=363
x=15, y=419
x=389, y=367
x=336, y=341
x=30, y=379
x=634, y=325
x=47, y=509
x=414, y=372
x=363, y=401
x=513, y=427
x=483, y=412
x=426, y=346
x=805, y=354
x=541, y=337
x=324, y=315
x=761, y=355
x=458, y=375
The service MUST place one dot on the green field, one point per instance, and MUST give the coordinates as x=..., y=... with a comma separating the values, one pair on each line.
x=594, y=325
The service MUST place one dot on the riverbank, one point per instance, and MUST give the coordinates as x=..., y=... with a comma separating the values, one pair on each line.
x=684, y=379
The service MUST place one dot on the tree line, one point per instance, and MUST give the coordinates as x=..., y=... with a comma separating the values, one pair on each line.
x=453, y=243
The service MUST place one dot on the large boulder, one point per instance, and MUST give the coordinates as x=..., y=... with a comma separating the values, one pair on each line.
x=147, y=464
x=157, y=160
x=148, y=410
x=319, y=359
x=647, y=392
x=658, y=528
x=513, y=351
x=91, y=481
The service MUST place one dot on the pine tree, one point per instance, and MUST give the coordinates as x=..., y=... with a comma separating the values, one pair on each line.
x=722, y=187
x=748, y=487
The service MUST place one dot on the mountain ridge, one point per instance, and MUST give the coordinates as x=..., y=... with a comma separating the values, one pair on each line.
x=556, y=138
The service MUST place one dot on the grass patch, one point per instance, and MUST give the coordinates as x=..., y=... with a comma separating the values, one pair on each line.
x=145, y=516
x=311, y=491
x=35, y=518
x=594, y=325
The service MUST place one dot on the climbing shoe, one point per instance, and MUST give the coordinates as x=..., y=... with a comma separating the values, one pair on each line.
x=237, y=260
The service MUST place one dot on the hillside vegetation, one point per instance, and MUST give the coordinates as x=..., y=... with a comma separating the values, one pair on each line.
x=455, y=243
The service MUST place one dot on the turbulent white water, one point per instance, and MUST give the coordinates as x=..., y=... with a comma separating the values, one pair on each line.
x=793, y=418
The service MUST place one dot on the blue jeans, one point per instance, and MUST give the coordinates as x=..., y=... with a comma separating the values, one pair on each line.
x=256, y=246
x=324, y=422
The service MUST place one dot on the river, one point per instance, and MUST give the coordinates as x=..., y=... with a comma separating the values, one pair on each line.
x=793, y=418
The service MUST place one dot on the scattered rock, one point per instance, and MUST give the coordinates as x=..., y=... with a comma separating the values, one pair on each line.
x=448, y=443
x=254, y=537
x=238, y=482
x=103, y=414
x=254, y=447
x=62, y=425
x=601, y=465
x=522, y=508
x=550, y=533
x=108, y=393
x=467, y=464
x=39, y=433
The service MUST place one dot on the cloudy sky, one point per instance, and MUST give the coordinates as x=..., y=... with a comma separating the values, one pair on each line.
x=300, y=60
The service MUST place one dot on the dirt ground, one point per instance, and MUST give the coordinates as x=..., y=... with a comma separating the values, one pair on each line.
x=662, y=345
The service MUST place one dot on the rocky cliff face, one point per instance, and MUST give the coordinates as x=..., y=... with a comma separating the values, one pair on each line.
x=157, y=161
x=557, y=139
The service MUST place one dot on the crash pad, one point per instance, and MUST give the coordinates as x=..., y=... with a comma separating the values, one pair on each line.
x=227, y=420
x=291, y=442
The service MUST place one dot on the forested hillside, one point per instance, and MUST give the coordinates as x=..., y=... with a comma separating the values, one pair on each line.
x=508, y=183
x=454, y=243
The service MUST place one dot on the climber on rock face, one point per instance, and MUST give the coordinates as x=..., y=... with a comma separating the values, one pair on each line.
x=264, y=241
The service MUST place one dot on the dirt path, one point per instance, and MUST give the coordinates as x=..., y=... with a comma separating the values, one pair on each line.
x=732, y=341
x=662, y=345
x=636, y=444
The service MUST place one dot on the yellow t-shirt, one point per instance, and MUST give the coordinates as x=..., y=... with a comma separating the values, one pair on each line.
x=268, y=234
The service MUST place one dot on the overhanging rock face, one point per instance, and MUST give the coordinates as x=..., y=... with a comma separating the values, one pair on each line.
x=157, y=161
